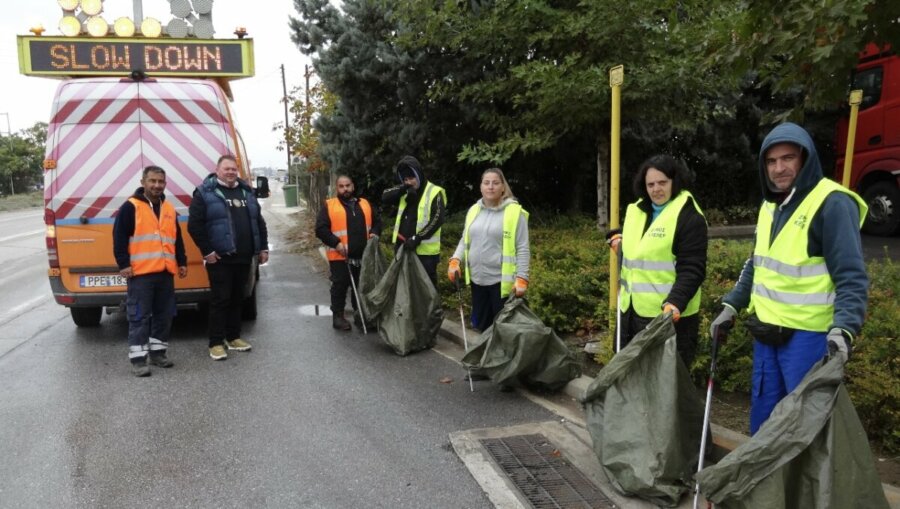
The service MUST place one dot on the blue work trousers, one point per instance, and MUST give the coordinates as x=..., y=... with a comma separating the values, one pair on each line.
x=151, y=306
x=778, y=370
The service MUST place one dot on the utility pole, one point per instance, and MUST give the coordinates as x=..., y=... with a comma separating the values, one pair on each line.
x=287, y=139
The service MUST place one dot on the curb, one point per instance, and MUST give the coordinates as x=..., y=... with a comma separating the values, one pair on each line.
x=724, y=439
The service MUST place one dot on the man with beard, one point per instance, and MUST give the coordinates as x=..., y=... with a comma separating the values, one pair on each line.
x=344, y=225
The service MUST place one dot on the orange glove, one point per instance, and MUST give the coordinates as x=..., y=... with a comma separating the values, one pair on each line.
x=453, y=271
x=521, y=286
x=676, y=314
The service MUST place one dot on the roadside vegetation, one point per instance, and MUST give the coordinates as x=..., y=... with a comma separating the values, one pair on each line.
x=22, y=201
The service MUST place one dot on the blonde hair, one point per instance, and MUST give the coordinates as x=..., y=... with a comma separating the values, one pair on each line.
x=507, y=192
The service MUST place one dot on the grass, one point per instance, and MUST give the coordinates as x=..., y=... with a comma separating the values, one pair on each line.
x=22, y=201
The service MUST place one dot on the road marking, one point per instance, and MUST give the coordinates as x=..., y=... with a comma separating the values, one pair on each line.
x=20, y=235
x=25, y=306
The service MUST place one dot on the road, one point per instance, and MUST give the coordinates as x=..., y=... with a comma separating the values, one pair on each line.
x=310, y=418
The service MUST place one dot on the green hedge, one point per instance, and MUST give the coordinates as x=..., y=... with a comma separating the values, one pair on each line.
x=569, y=291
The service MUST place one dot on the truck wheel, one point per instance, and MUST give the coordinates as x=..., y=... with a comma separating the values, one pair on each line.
x=883, y=199
x=248, y=310
x=86, y=317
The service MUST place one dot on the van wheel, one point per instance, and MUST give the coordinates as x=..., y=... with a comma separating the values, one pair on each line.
x=248, y=309
x=883, y=199
x=86, y=317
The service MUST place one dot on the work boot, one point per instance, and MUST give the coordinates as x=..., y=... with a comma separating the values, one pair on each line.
x=160, y=360
x=140, y=369
x=339, y=322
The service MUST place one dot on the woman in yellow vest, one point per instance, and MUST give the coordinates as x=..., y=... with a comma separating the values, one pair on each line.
x=663, y=251
x=493, y=250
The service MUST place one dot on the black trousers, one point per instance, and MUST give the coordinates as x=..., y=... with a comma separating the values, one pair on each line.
x=430, y=262
x=486, y=303
x=340, y=283
x=687, y=331
x=226, y=283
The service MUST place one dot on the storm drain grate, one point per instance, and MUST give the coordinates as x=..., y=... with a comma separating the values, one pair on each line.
x=540, y=472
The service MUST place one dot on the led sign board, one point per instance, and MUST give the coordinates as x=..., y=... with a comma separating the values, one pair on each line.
x=72, y=56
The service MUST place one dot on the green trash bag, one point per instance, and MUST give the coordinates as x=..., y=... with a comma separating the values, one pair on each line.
x=372, y=267
x=812, y=452
x=645, y=417
x=406, y=305
x=519, y=350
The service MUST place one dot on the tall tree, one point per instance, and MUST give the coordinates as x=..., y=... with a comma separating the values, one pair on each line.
x=21, y=158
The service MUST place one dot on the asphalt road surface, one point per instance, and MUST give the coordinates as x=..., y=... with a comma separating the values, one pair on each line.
x=309, y=418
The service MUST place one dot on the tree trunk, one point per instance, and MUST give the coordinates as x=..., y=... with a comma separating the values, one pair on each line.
x=603, y=173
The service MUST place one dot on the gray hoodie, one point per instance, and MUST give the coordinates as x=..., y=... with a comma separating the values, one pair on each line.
x=485, y=251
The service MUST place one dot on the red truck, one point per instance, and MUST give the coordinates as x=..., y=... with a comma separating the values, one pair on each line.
x=875, y=172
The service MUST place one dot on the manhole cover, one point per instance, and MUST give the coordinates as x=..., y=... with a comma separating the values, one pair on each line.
x=545, y=478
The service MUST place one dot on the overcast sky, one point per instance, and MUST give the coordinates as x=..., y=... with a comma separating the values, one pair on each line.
x=256, y=100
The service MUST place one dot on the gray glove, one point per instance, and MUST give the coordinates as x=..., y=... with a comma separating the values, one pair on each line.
x=721, y=326
x=839, y=343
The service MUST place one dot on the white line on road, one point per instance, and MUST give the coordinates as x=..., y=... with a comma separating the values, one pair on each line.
x=25, y=306
x=20, y=235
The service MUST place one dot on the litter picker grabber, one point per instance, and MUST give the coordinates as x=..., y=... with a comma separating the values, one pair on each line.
x=362, y=316
x=704, y=437
x=619, y=322
x=462, y=323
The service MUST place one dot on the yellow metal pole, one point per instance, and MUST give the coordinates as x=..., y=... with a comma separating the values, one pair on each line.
x=616, y=78
x=855, y=100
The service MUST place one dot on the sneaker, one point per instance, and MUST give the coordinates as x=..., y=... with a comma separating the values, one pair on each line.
x=140, y=369
x=161, y=361
x=238, y=344
x=218, y=352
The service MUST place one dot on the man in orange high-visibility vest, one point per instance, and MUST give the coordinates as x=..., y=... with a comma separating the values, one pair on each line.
x=149, y=251
x=344, y=225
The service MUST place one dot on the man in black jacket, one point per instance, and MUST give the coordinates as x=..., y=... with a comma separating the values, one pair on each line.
x=344, y=225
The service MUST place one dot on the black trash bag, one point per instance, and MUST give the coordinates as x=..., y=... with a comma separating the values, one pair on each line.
x=645, y=417
x=406, y=305
x=812, y=452
x=519, y=350
x=372, y=268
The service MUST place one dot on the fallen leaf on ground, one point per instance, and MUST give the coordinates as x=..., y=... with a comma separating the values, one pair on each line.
x=446, y=380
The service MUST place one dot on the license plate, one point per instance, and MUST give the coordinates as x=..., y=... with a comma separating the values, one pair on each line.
x=103, y=281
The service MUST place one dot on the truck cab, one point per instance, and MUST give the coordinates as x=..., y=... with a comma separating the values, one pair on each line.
x=875, y=170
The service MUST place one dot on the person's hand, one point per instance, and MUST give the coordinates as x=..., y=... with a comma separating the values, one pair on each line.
x=374, y=237
x=614, y=239
x=521, y=286
x=453, y=272
x=341, y=248
x=839, y=343
x=212, y=258
x=182, y=271
x=263, y=257
x=670, y=308
x=127, y=273
x=412, y=242
x=719, y=328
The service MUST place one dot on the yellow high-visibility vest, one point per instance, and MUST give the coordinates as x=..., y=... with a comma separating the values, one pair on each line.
x=431, y=246
x=648, y=265
x=791, y=288
x=511, y=215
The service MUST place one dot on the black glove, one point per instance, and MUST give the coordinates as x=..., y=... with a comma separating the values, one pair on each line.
x=412, y=242
x=721, y=326
x=839, y=342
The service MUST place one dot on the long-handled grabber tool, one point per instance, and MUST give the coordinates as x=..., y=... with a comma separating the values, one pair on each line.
x=362, y=316
x=704, y=436
x=462, y=323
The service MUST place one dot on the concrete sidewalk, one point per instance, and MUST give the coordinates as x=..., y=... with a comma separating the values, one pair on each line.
x=724, y=440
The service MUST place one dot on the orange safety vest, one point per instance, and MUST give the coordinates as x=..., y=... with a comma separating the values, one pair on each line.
x=337, y=214
x=152, y=245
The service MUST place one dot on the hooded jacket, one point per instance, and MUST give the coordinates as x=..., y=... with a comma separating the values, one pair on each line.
x=486, y=249
x=410, y=167
x=833, y=232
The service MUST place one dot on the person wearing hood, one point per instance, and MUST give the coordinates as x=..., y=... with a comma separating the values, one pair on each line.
x=149, y=251
x=227, y=225
x=421, y=207
x=344, y=225
x=806, y=284
x=493, y=254
x=663, y=246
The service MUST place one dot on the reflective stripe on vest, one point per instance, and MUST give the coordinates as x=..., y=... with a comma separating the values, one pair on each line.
x=791, y=288
x=337, y=215
x=151, y=248
x=508, y=267
x=432, y=245
x=648, y=265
